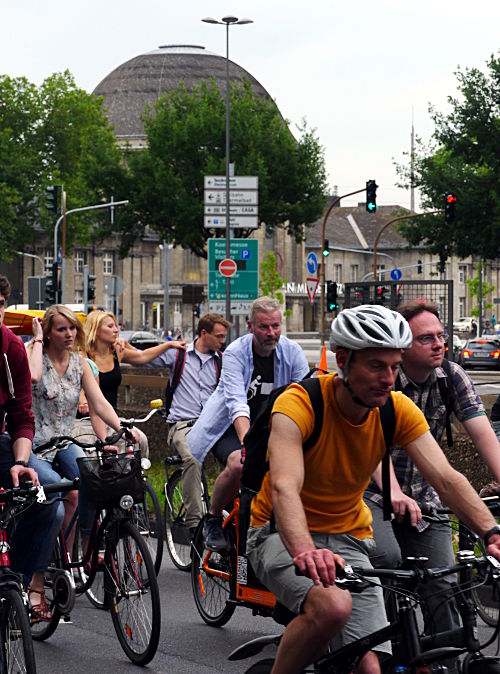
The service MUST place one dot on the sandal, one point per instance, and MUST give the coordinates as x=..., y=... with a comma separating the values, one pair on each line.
x=41, y=611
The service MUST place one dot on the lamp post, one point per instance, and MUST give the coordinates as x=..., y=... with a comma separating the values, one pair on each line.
x=227, y=21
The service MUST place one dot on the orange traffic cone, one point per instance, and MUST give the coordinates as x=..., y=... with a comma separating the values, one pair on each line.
x=323, y=365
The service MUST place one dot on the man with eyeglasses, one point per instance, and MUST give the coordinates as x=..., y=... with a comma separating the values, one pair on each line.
x=419, y=376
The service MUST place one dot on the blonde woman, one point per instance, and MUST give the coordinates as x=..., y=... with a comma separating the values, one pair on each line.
x=58, y=375
x=101, y=344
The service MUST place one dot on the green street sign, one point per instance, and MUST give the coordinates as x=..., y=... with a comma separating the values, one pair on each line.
x=245, y=281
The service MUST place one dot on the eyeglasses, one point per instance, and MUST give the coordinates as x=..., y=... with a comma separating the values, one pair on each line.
x=425, y=340
x=2, y=304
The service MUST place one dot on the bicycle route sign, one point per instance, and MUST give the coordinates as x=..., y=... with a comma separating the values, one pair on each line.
x=242, y=268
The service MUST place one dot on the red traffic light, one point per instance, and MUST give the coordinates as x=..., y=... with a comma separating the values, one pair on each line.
x=450, y=198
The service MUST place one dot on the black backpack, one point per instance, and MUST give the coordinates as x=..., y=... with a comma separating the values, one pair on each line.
x=173, y=381
x=255, y=442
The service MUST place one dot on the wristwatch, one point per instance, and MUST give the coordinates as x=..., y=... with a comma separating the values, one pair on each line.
x=494, y=530
x=21, y=463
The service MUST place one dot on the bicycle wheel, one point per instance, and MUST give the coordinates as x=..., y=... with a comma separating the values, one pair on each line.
x=146, y=517
x=211, y=583
x=43, y=630
x=17, y=644
x=95, y=593
x=481, y=664
x=135, y=597
x=176, y=533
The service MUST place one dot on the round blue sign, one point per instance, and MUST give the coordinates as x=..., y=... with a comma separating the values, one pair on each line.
x=312, y=263
x=396, y=274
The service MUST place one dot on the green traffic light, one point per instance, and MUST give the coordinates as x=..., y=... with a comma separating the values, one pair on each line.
x=371, y=207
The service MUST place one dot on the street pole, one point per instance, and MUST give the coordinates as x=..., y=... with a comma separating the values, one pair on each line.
x=166, y=300
x=36, y=257
x=228, y=21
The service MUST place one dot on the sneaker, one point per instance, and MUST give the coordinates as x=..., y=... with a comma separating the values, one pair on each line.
x=213, y=534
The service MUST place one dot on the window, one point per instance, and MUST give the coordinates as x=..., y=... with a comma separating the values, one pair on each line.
x=462, y=273
x=80, y=261
x=107, y=264
x=442, y=308
x=337, y=273
x=354, y=273
x=380, y=271
x=78, y=296
x=191, y=266
x=48, y=259
x=461, y=307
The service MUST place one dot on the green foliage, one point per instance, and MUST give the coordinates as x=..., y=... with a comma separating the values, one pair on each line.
x=186, y=140
x=270, y=281
x=464, y=159
x=486, y=289
x=53, y=134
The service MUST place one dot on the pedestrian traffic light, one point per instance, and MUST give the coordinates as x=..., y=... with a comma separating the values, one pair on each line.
x=326, y=248
x=331, y=296
x=51, y=286
x=419, y=266
x=381, y=295
x=91, y=288
x=52, y=198
x=449, y=207
x=371, y=196
x=196, y=310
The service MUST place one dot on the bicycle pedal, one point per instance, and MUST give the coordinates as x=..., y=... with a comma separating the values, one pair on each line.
x=67, y=619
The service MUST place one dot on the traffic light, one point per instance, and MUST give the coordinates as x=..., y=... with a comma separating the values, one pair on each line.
x=326, y=248
x=371, y=196
x=449, y=207
x=51, y=286
x=419, y=266
x=52, y=198
x=196, y=310
x=91, y=288
x=331, y=296
x=381, y=297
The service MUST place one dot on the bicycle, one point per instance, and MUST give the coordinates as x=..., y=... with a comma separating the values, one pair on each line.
x=116, y=550
x=16, y=654
x=412, y=652
x=177, y=535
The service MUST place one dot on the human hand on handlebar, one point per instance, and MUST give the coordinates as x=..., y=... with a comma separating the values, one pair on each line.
x=319, y=565
x=23, y=473
x=401, y=504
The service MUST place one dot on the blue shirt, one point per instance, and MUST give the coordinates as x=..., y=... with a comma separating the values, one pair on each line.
x=197, y=383
x=229, y=400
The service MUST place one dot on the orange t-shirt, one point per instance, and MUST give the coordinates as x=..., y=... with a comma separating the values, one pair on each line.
x=339, y=466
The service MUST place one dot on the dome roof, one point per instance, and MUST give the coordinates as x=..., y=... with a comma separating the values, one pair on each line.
x=140, y=81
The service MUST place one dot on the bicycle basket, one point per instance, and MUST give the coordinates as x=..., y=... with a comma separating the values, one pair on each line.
x=107, y=479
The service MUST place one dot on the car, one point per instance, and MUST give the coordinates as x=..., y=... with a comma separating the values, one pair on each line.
x=458, y=345
x=464, y=324
x=141, y=339
x=483, y=353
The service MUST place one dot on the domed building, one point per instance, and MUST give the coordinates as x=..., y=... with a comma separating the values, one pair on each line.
x=139, y=82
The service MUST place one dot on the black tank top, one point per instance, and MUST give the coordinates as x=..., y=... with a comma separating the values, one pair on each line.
x=110, y=381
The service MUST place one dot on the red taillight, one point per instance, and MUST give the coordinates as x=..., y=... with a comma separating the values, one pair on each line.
x=495, y=354
x=466, y=354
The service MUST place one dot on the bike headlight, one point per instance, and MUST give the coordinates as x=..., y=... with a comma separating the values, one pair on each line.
x=126, y=502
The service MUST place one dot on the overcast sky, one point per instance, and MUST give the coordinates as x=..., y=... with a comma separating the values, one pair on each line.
x=354, y=70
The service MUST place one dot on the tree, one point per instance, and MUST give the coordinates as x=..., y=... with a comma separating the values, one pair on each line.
x=463, y=158
x=186, y=140
x=271, y=282
x=53, y=134
x=486, y=289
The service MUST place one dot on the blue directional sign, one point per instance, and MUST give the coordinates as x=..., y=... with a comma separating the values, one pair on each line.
x=245, y=253
x=396, y=274
x=312, y=263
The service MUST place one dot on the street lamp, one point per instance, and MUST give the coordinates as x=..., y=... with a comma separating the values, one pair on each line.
x=227, y=21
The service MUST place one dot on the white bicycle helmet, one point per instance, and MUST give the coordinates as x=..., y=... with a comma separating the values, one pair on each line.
x=370, y=326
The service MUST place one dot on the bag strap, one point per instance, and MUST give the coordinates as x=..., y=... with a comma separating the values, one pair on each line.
x=313, y=388
x=218, y=363
x=388, y=421
x=180, y=359
x=448, y=398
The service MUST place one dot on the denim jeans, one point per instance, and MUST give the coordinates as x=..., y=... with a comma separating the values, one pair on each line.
x=37, y=528
x=68, y=467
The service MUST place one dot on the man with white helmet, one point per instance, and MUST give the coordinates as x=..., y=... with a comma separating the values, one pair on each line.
x=316, y=497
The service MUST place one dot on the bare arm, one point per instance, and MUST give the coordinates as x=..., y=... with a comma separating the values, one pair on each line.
x=401, y=503
x=453, y=487
x=241, y=426
x=485, y=441
x=97, y=402
x=286, y=461
x=34, y=351
x=135, y=357
x=22, y=450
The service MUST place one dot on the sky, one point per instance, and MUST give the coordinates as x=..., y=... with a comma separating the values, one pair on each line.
x=357, y=71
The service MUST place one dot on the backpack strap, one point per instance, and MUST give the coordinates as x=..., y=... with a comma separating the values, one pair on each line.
x=218, y=363
x=313, y=388
x=448, y=398
x=178, y=368
x=388, y=421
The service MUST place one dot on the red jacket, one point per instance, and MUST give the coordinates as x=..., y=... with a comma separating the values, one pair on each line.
x=15, y=387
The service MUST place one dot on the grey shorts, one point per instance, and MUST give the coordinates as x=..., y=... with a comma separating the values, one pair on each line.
x=273, y=566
